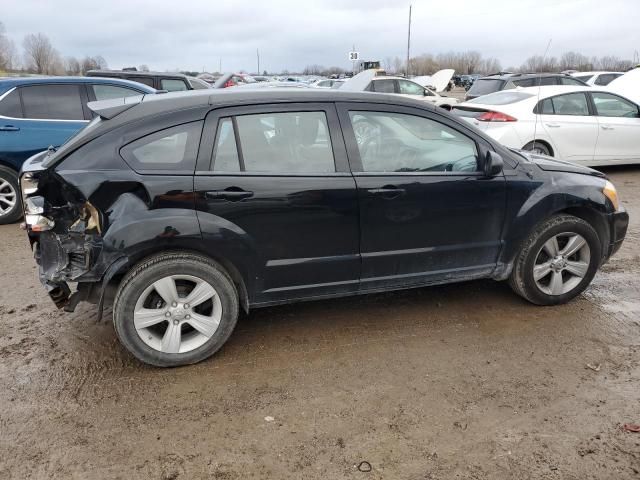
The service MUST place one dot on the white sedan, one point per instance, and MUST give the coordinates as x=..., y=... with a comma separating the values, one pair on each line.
x=578, y=124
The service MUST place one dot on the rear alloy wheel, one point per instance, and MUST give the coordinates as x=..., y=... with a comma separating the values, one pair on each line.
x=557, y=261
x=175, y=309
x=537, y=147
x=10, y=202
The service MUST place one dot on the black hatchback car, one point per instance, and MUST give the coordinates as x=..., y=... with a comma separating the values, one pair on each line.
x=195, y=206
x=496, y=83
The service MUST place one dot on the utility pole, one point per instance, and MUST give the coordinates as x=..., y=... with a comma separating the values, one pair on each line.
x=353, y=62
x=258, y=57
x=408, y=44
x=220, y=66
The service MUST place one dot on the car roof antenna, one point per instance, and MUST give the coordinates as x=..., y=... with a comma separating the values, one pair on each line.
x=537, y=109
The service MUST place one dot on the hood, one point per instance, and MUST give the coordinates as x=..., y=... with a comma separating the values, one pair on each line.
x=359, y=82
x=627, y=85
x=551, y=164
x=438, y=81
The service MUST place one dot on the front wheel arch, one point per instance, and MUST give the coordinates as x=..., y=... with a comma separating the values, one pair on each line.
x=529, y=146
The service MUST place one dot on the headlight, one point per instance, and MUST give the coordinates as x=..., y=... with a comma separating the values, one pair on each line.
x=28, y=184
x=611, y=193
x=38, y=223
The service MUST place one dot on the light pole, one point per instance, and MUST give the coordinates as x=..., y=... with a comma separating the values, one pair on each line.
x=408, y=43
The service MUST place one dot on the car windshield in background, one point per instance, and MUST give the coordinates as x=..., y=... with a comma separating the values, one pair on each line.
x=502, y=98
x=483, y=86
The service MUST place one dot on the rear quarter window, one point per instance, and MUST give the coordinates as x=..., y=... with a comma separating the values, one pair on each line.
x=172, y=150
x=10, y=105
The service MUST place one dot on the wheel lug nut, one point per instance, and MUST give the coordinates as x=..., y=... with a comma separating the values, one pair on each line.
x=168, y=314
x=186, y=306
x=174, y=304
x=187, y=316
x=175, y=322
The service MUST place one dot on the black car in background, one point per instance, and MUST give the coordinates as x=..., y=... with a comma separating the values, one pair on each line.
x=495, y=83
x=170, y=82
x=196, y=206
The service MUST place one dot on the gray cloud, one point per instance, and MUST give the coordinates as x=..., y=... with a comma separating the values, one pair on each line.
x=292, y=34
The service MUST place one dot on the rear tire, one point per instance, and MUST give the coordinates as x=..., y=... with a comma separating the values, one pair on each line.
x=547, y=271
x=10, y=198
x=538, y=147
x=154, y=319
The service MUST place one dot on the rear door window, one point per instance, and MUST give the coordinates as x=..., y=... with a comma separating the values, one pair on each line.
x=107, y=92
x=173, y=149
x=54, y=102
x=173, y=85
x=10, y=105
x=288, y=142
x=571, y=104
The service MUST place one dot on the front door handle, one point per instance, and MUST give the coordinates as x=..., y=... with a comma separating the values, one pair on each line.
x=9, y=128
x=232, y=194
x=606, y=127
x=388, y=191
x=553, y=125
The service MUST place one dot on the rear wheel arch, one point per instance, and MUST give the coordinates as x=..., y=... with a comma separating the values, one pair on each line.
x=544, y=143
x=225, y=265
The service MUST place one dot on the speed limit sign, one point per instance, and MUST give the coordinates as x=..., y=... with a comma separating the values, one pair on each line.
x=353, y=56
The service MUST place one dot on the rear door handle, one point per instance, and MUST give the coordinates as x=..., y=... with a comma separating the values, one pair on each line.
x=388, y=191
x=606, y=127
x=9, y=128
x=553, y=125
x=228, y=194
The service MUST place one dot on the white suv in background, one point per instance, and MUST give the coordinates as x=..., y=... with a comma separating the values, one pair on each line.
x=597, y=78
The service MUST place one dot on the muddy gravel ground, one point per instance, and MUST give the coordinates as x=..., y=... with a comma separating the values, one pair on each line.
x=463, y=381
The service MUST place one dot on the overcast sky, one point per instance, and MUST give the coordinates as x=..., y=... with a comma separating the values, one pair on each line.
x=192, y=34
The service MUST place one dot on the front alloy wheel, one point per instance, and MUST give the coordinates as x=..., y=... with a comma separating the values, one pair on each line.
x=562, y=263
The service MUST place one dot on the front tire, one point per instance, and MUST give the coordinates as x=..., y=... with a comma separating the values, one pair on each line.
x=175, y=309
x=557, y=262
x=10, y=200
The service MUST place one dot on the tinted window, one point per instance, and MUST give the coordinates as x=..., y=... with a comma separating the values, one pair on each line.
x=584, y=78
x=144, y=80
x=570, y=81
x=10, y=105
x=393, y=142
x=606, y=78
x=225, y=152
x=384, y=86
x=482, y=86
x=527, y=82
x=60, y=102
x=608, y=105
x=571, y=104
x=547, y=107
x=107, y=92
x=172, y=85
x=410, y=88
x=286, y=142
x=175, y=148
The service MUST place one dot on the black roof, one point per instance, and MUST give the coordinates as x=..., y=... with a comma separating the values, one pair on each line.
x=142, y=106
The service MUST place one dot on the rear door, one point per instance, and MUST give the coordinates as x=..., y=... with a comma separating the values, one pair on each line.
x=49, y=115
x=427, y=214
x=568, y=121
x=619, y=122
x=273, y=181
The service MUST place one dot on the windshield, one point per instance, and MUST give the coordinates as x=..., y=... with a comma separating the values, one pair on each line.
x=502, y=98
x=482, y=86
x=80, y=134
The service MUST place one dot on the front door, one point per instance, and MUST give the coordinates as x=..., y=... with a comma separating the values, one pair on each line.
x=278, y=190
x=426, y=212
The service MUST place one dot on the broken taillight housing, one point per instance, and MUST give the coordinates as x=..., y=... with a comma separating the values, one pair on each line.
x=38, y=223
x=496, y=117
x=28, y=184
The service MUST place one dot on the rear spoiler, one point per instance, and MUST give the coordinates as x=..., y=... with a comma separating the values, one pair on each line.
x=107, y=109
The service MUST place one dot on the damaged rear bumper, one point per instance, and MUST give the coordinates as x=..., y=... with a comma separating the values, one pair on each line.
x=70, y=258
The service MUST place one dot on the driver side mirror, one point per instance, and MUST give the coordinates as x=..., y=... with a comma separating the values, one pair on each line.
x=493, y=164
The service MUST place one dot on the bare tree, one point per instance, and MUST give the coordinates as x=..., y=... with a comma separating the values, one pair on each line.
x=143, y=68
x=72, y=66
x=8, y=53
x=39, y=54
